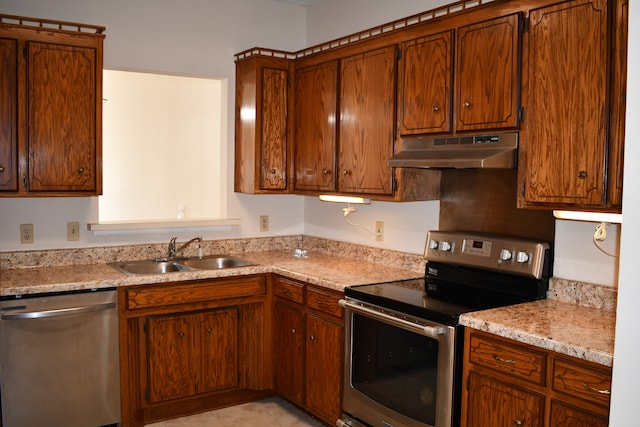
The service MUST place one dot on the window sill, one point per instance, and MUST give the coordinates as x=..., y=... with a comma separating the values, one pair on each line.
x=162, y=224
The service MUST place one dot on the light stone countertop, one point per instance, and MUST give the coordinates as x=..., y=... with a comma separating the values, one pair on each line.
x=321, y=269
x=571, y=329
x=583, y=332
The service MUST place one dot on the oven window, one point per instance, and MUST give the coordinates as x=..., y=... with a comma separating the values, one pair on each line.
x=395, y=367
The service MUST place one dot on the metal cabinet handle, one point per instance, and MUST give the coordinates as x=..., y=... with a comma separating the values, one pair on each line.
x=312, y=337
x=287, y=291
x=500, y=359
x=435, y=108
x=58, y=312
x=293, y=330
x=582, y=174
x=596, y=390
x=345, y=172
x=325, y=171
x=80, y=170
x=1, y=168
x=466, y=104
x=517, y=423
x=273, y=170
x=209, y=330
x=181, y=334
x=325, y=303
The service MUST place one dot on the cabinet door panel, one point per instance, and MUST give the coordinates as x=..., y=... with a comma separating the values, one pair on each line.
x=170, y=344
x=8, y=117
x=565, y=135
x=316, y=94
x=273, y=170
x=424, y=87
x=367, y=114
x=289, y=350
x=61, y=85
x=567, y=416
x=487, y=74
x=324, y=367
x=492, y=403
x=218, y=350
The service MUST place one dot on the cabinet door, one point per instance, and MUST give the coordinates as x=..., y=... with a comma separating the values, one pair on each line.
x=316, y=91
x=367, y=99
x=487, y=75
x=8, y=117
x=568, y=416
x=170, y=345
x=62, y=90
x=289, y=350
x=618, y=102
x=492, y=403
x=564, y=146
x=217, y=352
x=424, y=85
x=273, y=167
x=324, y=368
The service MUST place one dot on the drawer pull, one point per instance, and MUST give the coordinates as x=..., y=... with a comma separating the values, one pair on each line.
x=287, y=291
x=325, y=303
x=517, y=423
x=588, y=387
x=500, y=359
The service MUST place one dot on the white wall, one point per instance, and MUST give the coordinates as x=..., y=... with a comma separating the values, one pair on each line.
x=626, y=370
x=186, y=37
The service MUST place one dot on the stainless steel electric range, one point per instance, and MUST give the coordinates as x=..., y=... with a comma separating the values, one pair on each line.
x=403, y=357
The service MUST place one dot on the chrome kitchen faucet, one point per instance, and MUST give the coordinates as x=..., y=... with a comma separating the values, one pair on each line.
x=173, y=252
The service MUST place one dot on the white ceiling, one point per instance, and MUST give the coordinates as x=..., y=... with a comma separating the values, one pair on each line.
x=299, y=2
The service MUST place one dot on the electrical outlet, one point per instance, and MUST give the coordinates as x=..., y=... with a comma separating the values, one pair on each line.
x=73, y=231
x=380, y=230
x=26, y=233
x=264, y=222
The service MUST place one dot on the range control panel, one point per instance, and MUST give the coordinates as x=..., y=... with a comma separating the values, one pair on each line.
x=499, y=253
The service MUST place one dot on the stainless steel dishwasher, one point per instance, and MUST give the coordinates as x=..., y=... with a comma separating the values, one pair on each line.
x=59, y=363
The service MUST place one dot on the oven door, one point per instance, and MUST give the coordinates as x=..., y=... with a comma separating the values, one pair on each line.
x=398, y=369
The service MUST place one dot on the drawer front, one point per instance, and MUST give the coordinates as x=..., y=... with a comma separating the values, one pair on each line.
x=288, y=289
x=326, y=302
x=585, y=381
x=190, y=292
x=511, y=359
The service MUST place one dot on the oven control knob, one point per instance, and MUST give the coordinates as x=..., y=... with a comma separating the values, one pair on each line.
x=433, y=244
x=522, y=257
x=506, y=255
x=445, y=247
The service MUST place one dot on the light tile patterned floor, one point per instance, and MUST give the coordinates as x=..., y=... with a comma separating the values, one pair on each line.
x=268, y=412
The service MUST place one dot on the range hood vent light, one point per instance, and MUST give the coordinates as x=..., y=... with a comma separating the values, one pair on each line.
x=459, y=152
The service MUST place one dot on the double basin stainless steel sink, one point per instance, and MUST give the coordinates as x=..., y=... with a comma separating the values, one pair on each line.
x=173, y=265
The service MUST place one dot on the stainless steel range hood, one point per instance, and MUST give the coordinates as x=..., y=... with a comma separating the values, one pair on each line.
x=460, y=152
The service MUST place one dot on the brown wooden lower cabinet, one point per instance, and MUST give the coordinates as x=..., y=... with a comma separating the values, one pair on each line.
x=506, y=383
x=308, y=346
x=189, y=347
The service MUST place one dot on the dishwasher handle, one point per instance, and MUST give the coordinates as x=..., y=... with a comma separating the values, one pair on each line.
x=58, y=312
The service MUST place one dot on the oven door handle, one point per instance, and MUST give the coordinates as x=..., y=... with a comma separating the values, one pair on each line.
x=428, y=331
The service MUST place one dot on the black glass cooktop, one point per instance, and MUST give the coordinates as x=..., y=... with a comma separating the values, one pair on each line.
x=444, y=297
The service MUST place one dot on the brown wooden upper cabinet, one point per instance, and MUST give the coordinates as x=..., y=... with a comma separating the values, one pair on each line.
x=262, y=106
x=487, y=75
x=315, y=124
x=486, y=79
x=366, y=125
x=571, y=150
x=424, y=85
x=50, y=108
